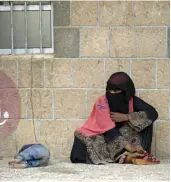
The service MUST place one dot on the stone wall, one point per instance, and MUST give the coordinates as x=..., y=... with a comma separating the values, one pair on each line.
x=92, y=40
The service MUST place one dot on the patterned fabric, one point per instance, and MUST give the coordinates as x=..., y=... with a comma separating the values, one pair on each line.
x=101, y=152
x=139, y=120
x=130, y=134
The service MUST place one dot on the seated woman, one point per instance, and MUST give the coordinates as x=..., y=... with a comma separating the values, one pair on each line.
x=119, y=129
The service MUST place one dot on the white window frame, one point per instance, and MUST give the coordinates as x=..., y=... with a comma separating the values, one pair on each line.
x=26, y=8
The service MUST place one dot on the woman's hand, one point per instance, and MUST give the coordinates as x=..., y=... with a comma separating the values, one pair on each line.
x=118, y=117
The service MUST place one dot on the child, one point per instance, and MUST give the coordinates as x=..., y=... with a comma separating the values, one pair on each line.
x=31, y=155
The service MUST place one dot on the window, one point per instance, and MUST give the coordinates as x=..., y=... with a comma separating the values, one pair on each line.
x=26, y=28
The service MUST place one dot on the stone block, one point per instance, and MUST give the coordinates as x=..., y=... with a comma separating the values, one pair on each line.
x=61, y=13
x=95, y=42
x=66, y=41
x=23, y=95
x=25, y=133
x=70, y=103
x=37, y=73
x=24, y=72
x=168, y=42
x=8, y=64
x=8, y=146
x=88, y=73
x=58, y=72
x=151, y=42
x=115, y=13
x=158, y=99
x=151, y=13
x=163, y=140
x=143, y=73
x=115, y=65
x=163, y=73
x=138, y=42
x=84, y=13
x=40, y=104
x=54, y=135
x=123, y=42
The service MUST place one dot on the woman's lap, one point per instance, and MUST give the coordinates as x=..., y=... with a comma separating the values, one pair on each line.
x=95, y=150
x=79, y=152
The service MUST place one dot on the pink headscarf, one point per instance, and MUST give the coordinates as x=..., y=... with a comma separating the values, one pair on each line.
x=99, y=121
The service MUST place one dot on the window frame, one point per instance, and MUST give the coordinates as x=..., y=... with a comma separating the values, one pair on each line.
x=26, y=8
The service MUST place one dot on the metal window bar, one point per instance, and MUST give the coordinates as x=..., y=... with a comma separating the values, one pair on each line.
x=26, y=8
x=25, y=12
x=12, y=30
x=40, y=26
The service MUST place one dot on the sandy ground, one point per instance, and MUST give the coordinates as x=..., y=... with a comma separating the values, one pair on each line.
x=63, y=170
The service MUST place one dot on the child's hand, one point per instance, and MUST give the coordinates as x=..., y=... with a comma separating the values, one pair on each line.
x=139, y=149
x=130, y=148
x=133, y=149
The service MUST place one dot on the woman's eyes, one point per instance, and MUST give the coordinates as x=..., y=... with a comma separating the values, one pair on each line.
x=115, y=92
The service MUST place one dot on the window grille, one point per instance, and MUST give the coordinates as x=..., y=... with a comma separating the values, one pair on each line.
x=26, y=27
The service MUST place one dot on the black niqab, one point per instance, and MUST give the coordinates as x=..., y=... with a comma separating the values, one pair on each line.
x=120, y=102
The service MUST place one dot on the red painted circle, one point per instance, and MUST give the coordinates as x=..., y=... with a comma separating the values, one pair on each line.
x=10, y=106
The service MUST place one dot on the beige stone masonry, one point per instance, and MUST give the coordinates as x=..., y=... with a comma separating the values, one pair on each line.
x=70, y=103
x=84, y=13
x=115, y=13
x=94, y=42
x=88, y=73
x=163, y=73
x=143, y=73
x=159, y=99
x=58, y=72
